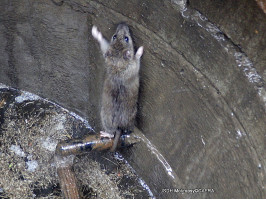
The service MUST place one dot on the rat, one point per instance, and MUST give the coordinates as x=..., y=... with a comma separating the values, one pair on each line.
x=121, y=85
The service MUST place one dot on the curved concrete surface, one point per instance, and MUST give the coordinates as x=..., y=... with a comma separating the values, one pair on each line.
x=202, y=94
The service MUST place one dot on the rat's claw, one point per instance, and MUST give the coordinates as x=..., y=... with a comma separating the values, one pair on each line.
x=96, y=34
x=105, y=134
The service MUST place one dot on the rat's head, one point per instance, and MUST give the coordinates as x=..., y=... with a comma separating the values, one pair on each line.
x=121, y=45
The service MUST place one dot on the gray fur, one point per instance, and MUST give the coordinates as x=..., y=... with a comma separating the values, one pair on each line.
x=121, y=85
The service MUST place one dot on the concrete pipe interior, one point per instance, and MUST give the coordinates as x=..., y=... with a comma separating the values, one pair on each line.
x=201, y=105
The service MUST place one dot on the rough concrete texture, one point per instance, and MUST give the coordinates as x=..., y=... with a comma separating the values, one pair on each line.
x=246, y=28
x=202, y=93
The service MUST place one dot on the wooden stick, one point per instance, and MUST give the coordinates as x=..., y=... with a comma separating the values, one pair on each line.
x=83, y=145
x=68, y=182
x=64, y=156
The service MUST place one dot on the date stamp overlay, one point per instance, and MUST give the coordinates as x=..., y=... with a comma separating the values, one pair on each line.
x=188, y=191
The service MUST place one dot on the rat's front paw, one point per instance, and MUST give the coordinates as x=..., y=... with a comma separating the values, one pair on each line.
x=96, y=34
x=139, y=52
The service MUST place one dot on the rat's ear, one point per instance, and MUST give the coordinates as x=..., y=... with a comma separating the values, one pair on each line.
x=139, y=52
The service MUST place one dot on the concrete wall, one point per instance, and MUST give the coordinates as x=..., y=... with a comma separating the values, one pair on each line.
x=201, y=101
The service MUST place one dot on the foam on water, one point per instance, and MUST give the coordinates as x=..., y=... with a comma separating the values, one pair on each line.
x=48, y=143
x=26, y=96
x=32, y=165
x=17, y=150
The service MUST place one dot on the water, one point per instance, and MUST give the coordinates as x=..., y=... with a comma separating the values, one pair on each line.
x=31, y=128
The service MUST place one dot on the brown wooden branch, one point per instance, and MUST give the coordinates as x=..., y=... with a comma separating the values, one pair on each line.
x=68, y=182
x=64, y=156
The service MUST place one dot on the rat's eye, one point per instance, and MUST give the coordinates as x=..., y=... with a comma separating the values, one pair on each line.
x=114, y=37
x=126, y=38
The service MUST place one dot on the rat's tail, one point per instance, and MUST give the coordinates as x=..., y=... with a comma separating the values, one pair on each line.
x=116, y=139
